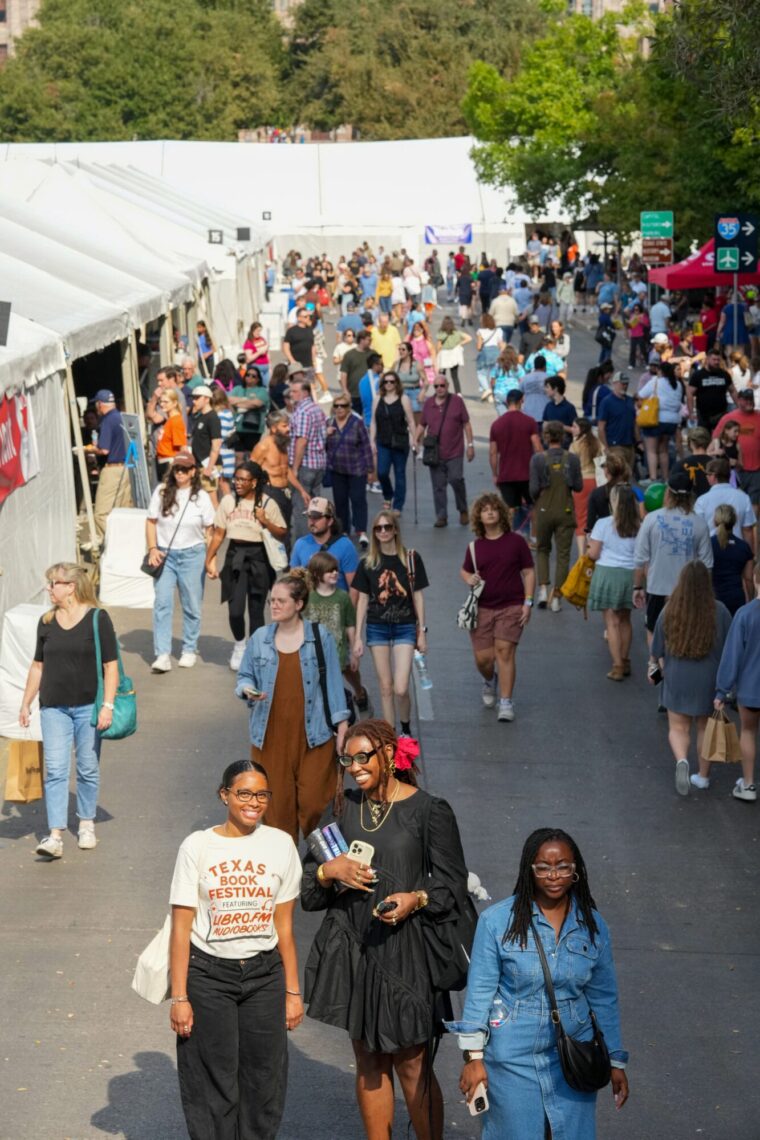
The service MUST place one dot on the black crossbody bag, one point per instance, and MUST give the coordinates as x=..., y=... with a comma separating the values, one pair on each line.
x=585, y=1064
x=322, y=667
x=431, y=447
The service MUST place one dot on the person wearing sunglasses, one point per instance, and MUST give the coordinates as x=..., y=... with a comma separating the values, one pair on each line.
x=391, y=604
x=234, y=988
x=445, y=416
x=324, y=534
x=506, y=1031
x=178, y=527
x=367, y=969
x=350, y=465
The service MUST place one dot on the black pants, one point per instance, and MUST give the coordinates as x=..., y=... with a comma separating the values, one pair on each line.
x=246, y=580
x=350, y=495
x=233, y=1068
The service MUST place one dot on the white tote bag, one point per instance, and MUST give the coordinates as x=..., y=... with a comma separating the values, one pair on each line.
x=467, y=616
x=277, y=555
x=152, y=980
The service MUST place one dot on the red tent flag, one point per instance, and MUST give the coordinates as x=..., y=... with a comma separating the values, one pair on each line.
x=698, y=272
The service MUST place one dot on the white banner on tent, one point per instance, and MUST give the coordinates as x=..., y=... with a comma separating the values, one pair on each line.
x=449, y=235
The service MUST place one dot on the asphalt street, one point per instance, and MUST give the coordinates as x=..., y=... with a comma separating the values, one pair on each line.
x=676, y=879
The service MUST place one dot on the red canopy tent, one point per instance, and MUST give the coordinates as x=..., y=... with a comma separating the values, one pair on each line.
x=698, y=272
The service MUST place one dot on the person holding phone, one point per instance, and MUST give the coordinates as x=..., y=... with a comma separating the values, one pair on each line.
x=367, y=970
x=506, y=1031
x=233, y=965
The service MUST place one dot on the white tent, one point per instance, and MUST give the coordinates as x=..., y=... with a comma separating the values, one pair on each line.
x=37, y=520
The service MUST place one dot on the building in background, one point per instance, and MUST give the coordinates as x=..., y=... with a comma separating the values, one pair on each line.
x=598, y=8
x=284, y=9
x=15, y=18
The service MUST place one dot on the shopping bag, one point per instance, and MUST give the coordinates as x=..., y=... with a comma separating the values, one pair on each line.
x=152, y=979
x=721, y=741
x=23, y=783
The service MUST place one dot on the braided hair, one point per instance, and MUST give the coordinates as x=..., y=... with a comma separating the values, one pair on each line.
x=259, y=479
x=381, y=736
x=522, y=911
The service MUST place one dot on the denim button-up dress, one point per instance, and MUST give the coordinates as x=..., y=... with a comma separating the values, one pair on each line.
x=525, y=1081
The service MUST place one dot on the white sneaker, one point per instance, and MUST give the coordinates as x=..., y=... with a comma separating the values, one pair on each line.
x=556, y=605
x=363, y=540
x=375, y=489
x=543, y=597
x=187, y=660
x=744, y=791
x=50, y=846
x=87, y=839
x=700, y=781
x=682, y=777
x=489, y=693
x=325, y=398
x=506, y=709
x=162, y=664
x=237, y=656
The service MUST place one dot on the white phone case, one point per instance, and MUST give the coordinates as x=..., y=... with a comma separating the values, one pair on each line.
x=479, y=1102
x=361, y=852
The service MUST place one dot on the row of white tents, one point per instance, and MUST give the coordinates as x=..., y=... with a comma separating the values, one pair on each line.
x=91, y=254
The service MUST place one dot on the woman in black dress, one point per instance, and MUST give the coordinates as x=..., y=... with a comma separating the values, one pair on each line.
x=367, y=972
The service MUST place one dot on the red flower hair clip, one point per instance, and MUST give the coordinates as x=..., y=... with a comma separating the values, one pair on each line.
x=407, y=751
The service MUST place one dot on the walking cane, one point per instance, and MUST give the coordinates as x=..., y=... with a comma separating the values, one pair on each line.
x=414, y=482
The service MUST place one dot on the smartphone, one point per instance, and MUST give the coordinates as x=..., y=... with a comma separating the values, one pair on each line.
x=361, y=852
x=385, y=907
x=252, y=694
x=654, y=672
x=479, y=1101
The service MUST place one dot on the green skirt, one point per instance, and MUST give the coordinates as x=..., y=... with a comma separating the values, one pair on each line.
x=611, y=589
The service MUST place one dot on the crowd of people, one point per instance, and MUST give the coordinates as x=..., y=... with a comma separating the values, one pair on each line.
x=246, y=454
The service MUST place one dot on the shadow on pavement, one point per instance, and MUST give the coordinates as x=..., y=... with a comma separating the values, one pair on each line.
x=144, y=1104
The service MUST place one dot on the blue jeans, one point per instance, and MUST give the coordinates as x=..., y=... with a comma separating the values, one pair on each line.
x=62, y=727
x=183, y=570
x=387, y=457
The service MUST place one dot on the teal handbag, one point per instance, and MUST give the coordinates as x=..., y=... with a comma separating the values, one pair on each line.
x=124, y=720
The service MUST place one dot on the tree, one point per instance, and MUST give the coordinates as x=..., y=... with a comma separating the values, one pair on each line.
x=398, y=70
x=95, y=69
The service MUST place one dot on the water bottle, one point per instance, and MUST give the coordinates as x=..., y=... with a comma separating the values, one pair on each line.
x=499, y=1013
x=422, y=670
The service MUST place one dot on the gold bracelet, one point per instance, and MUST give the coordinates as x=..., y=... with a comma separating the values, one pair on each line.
x=422, y=899
x=321, y=876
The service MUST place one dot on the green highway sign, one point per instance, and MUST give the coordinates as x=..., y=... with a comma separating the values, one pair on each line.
x=657, y=223
x=727, y=260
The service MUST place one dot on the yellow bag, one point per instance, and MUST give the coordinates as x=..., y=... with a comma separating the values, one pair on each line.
x=578, y=583
x=23, y=782
x=648, y=414
x=721, y=740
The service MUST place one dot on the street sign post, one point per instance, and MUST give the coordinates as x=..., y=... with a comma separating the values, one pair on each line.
x=657, y=237
x=657, y=251
x=736, y=251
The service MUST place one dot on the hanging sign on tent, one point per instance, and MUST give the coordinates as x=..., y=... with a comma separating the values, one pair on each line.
x=449, y=235
x=19, y=459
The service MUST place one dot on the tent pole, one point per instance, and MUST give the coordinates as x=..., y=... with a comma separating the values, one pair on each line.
x=166, y=354
x=136, y=393
x=81, y=460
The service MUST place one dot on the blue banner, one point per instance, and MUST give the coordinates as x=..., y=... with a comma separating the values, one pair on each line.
x=449, y=235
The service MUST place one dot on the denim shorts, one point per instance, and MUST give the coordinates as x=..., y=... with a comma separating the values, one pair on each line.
x=391, y=633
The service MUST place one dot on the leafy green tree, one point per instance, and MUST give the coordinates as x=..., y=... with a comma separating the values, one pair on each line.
x=398, y=70
x=95, y=69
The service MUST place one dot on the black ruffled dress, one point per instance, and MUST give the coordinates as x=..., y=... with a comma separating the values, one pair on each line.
x=366, y=976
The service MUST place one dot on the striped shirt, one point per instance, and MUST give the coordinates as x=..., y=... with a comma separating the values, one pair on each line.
x=227, y=454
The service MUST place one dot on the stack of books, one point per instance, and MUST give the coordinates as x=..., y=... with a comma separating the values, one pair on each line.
x=326, y=843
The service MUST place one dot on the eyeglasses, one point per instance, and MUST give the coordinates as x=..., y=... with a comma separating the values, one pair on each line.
x=346, y=761
x=389, y=382
x=242, y=479
x=383, y=527
x=246, y=796
x=57, y=582
x=560, y=871
x=315, y=515
x=442, y=386
x=340, y=405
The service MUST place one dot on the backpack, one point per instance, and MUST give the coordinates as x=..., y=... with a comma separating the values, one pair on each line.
x=578, y=583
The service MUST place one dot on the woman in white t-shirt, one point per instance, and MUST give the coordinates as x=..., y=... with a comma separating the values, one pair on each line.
x=667, y=387
x=233, y=965
x=177, y=529
x=610, y=546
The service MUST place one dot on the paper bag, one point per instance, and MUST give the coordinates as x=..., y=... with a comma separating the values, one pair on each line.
x=23, y=783
x=721, y=742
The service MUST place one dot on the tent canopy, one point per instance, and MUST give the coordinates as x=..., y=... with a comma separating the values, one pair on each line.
x=31, y=354
x=697, y=271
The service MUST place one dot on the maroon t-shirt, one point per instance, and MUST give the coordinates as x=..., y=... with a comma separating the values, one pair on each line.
x=451, y=434
x=511, y=433
x=499, y=562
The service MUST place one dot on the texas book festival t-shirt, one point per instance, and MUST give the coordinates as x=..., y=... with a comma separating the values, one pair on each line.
x=235, y=884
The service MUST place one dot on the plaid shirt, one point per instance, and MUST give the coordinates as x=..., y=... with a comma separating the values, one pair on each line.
x=349, y=451
x=308, y=422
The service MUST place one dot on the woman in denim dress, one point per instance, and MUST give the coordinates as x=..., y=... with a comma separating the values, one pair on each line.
x=506, y=1030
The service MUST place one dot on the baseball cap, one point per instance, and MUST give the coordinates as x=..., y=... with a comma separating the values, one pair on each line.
x=104, y=396
x=533, y=320
x=620, y=378
x=746, y=394
x=295, y=370
x=660, y=338
x=680, y=483
x=202, y=390
x=184, y=459
x=320, y=506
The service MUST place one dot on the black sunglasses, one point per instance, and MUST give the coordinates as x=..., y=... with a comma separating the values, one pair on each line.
x=346, y=761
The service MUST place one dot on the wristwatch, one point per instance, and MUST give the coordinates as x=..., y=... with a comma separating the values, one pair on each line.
x=423, y=629
x=108, y=705
x=472, y=1055
x=529, y=602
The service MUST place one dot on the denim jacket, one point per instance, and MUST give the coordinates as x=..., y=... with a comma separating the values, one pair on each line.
x=259, y=671
x=583, y=974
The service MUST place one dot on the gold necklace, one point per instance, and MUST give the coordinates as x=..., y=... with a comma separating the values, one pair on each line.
x=379, y=811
